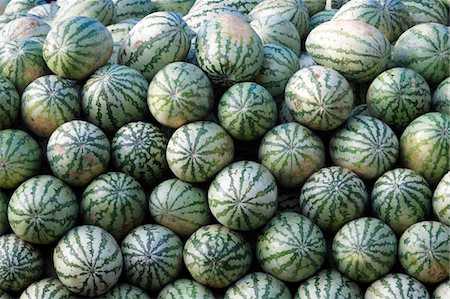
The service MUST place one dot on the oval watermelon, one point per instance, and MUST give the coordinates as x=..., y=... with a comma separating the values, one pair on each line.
x=441, y=200
x=127, y=9
x=48, y=288
x=440, y=101
x=258, y=285
x=396, y=285
x=185, y=289
x=442, y=291
x=125, y=290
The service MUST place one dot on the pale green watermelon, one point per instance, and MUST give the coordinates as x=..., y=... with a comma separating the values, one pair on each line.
x=4, y=225
x=23, y=28
x=441, y=200
x=45, y=11
x=119, y=32
x=196, y=18
x=9, y=103
x=440, y=101
x=305, y=60
x=396, y=285
x=442, y=291
x=320, y=17
x=243, y=6
x=16, y=6
x=48, y=288
x=127, y=9
x=185, y=289
x=360, y=110
x=6, y=18
x=315, y=6
x=427, y=11
x=335, y=4
x=103, y=11
x=258, y=285
x=126, y=291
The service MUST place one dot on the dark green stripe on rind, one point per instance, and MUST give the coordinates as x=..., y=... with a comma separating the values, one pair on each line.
x=9, y=104
x=441, y=204
x=185, y=289
x=258, y=285
x=396, y=285
x=48, y=288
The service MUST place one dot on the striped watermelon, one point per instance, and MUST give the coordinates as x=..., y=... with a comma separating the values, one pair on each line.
x=335, y=4
x=328, y=283
x=400, y=198
x=425, y=49
x=48, y=288
x=138, y=149
x=115, y=202
x=243, y=6
x=196, y=18
x=153, y=256
x=292, y=153
x=185, y=289
x=243, y=196
x=360, y=54
x=21, y=62
x=180, y=206
x=16, y=6
x=425, y=146
x=23, y=28
x=258, y=285
x=157, y=40
x=315, y=6
x=396, y=285
x=20, y=263
x=427, y=11
x=179, y=6
x=46, y=11
x=366, y=146
x=279, y=65
x=113, y=96
x=360, y=110
x=277, y=30
x=48, y=102
x=6, y=18
x=180, y=93
x=305, y=60
x=442, y=291
x=320, y=17
x=77, y=152
x=424, y=251
x=319, y=98
x=291, y=247
x=127, y=9
x=125, y=290
x=364, y=249
x=333, y=196
x=88, y=261
x=9, y=103
x=440, y=101
x=103, y=11
x=196, y=152
x=4, y=225
x=441, y=200
x=229, y=50
x=119, y=32
x=20, y=157
x=215, y=256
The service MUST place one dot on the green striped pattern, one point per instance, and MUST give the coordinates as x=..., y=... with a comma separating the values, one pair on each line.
x=279, y=31
x=315, y=6
x=441, y=97
x=243, y=196
x=20, y=263
x=88, y=261
x=127, y=9
x=103, y=11
x=23, y=28
x=366, y=146
x=180, y=206
x=179, y=6
x=442, y=291
x=9, y=103
x=180, y=93
x=430, y=53
x=4, y=225
x=216, y=256
x=355, y=49
x=118, y=32
x=198, y=17
x=153, y=256
x=400, y=198
x=398, y=96
x=157, y=40
x=48, y=288
x=425, y=146
x=424, y=251
x=197, y=151
x=258, y=285
x=77, y=152
x=335, y=4
x=115, y=202
x=396, y=285
x=360, y=110
x=333, y=196
x=16, y=6
x=6, y=18
x=364, y=249
x=21, y=62
x=243, y=6
x=328, y=283
x=20, y=157
x=229, y=50
x=440, y=202
x=292, y=153
x=138, y=149
x=48, y=102
x=291, y=247
x=427, y=11
x=125, y=290
x=46, y=11
x=320, y=17
x=185, y=289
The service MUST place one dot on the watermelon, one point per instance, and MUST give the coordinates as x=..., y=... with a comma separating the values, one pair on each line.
x=118, y=32
x=46, y=11
x=88, y=260
x=185, y=289
x=48, y=102
x=153, y=256
x=360, y=110
x=4, y=225
x=305, y=60
x=424, y=251
x=20, y=157
x=157, y=40
x=398, y=96
x=400, y=198
x=77, y=152
x=115, y=202
x=292, y=153
x=180, y=93
x=243, y=196
x=333, y=196
x=425, y=146
x=320, y=17
x=364, y=249
x=197, y=151
x=328, y=283
x=126, y=9
x=243, y=6
x=138, y=149
x=366, y=146
x=180, y=206
x=9, y=103
x=355, y=49
x=179, y=6
x=440, y=101
x=396, y=285
x=47, y=288
x=315, y=6
x=215, y=256
x=335, y=4
x=427, y=11
x=291, y=247
x=6, y=18
x=442, y=291
x=277, y=30
x=425, y=49
x=279, y=65
x=441, y=200
x=20, y=263
x=125, y=290
x=258, y=285
x=16, y=6
x=103, y=11
x=23, y=28
x=196, y=18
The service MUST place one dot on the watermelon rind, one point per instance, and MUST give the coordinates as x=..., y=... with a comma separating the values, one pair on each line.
x=440, y=101
x=103, y=11
x=48, y=288
x=396, y=285
x=125, y=290
x=9, y=103
x=185, y=289
x=127, y=9
x=441, y=200
x=442, y=291
x=258, y=285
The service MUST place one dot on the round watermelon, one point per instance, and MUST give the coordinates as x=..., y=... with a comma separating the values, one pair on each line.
x=103, y=11
x=4, y=224
x=441, y=200
x=16, y=6
x=320, y=17
x=23, y=28
x=9, y=103
x=185, y=289
x=119, y=32
x=125, y=290
x=127, y=9
x=45, y=11
x=427, y=11
x=48, y=288
x=396, y=285
x=244, y=7
x=179, y=6
x=440, y=101
x=442, y=291
x=360, y=110
x=198, y=17
x=335, y=4
x=258, y=285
